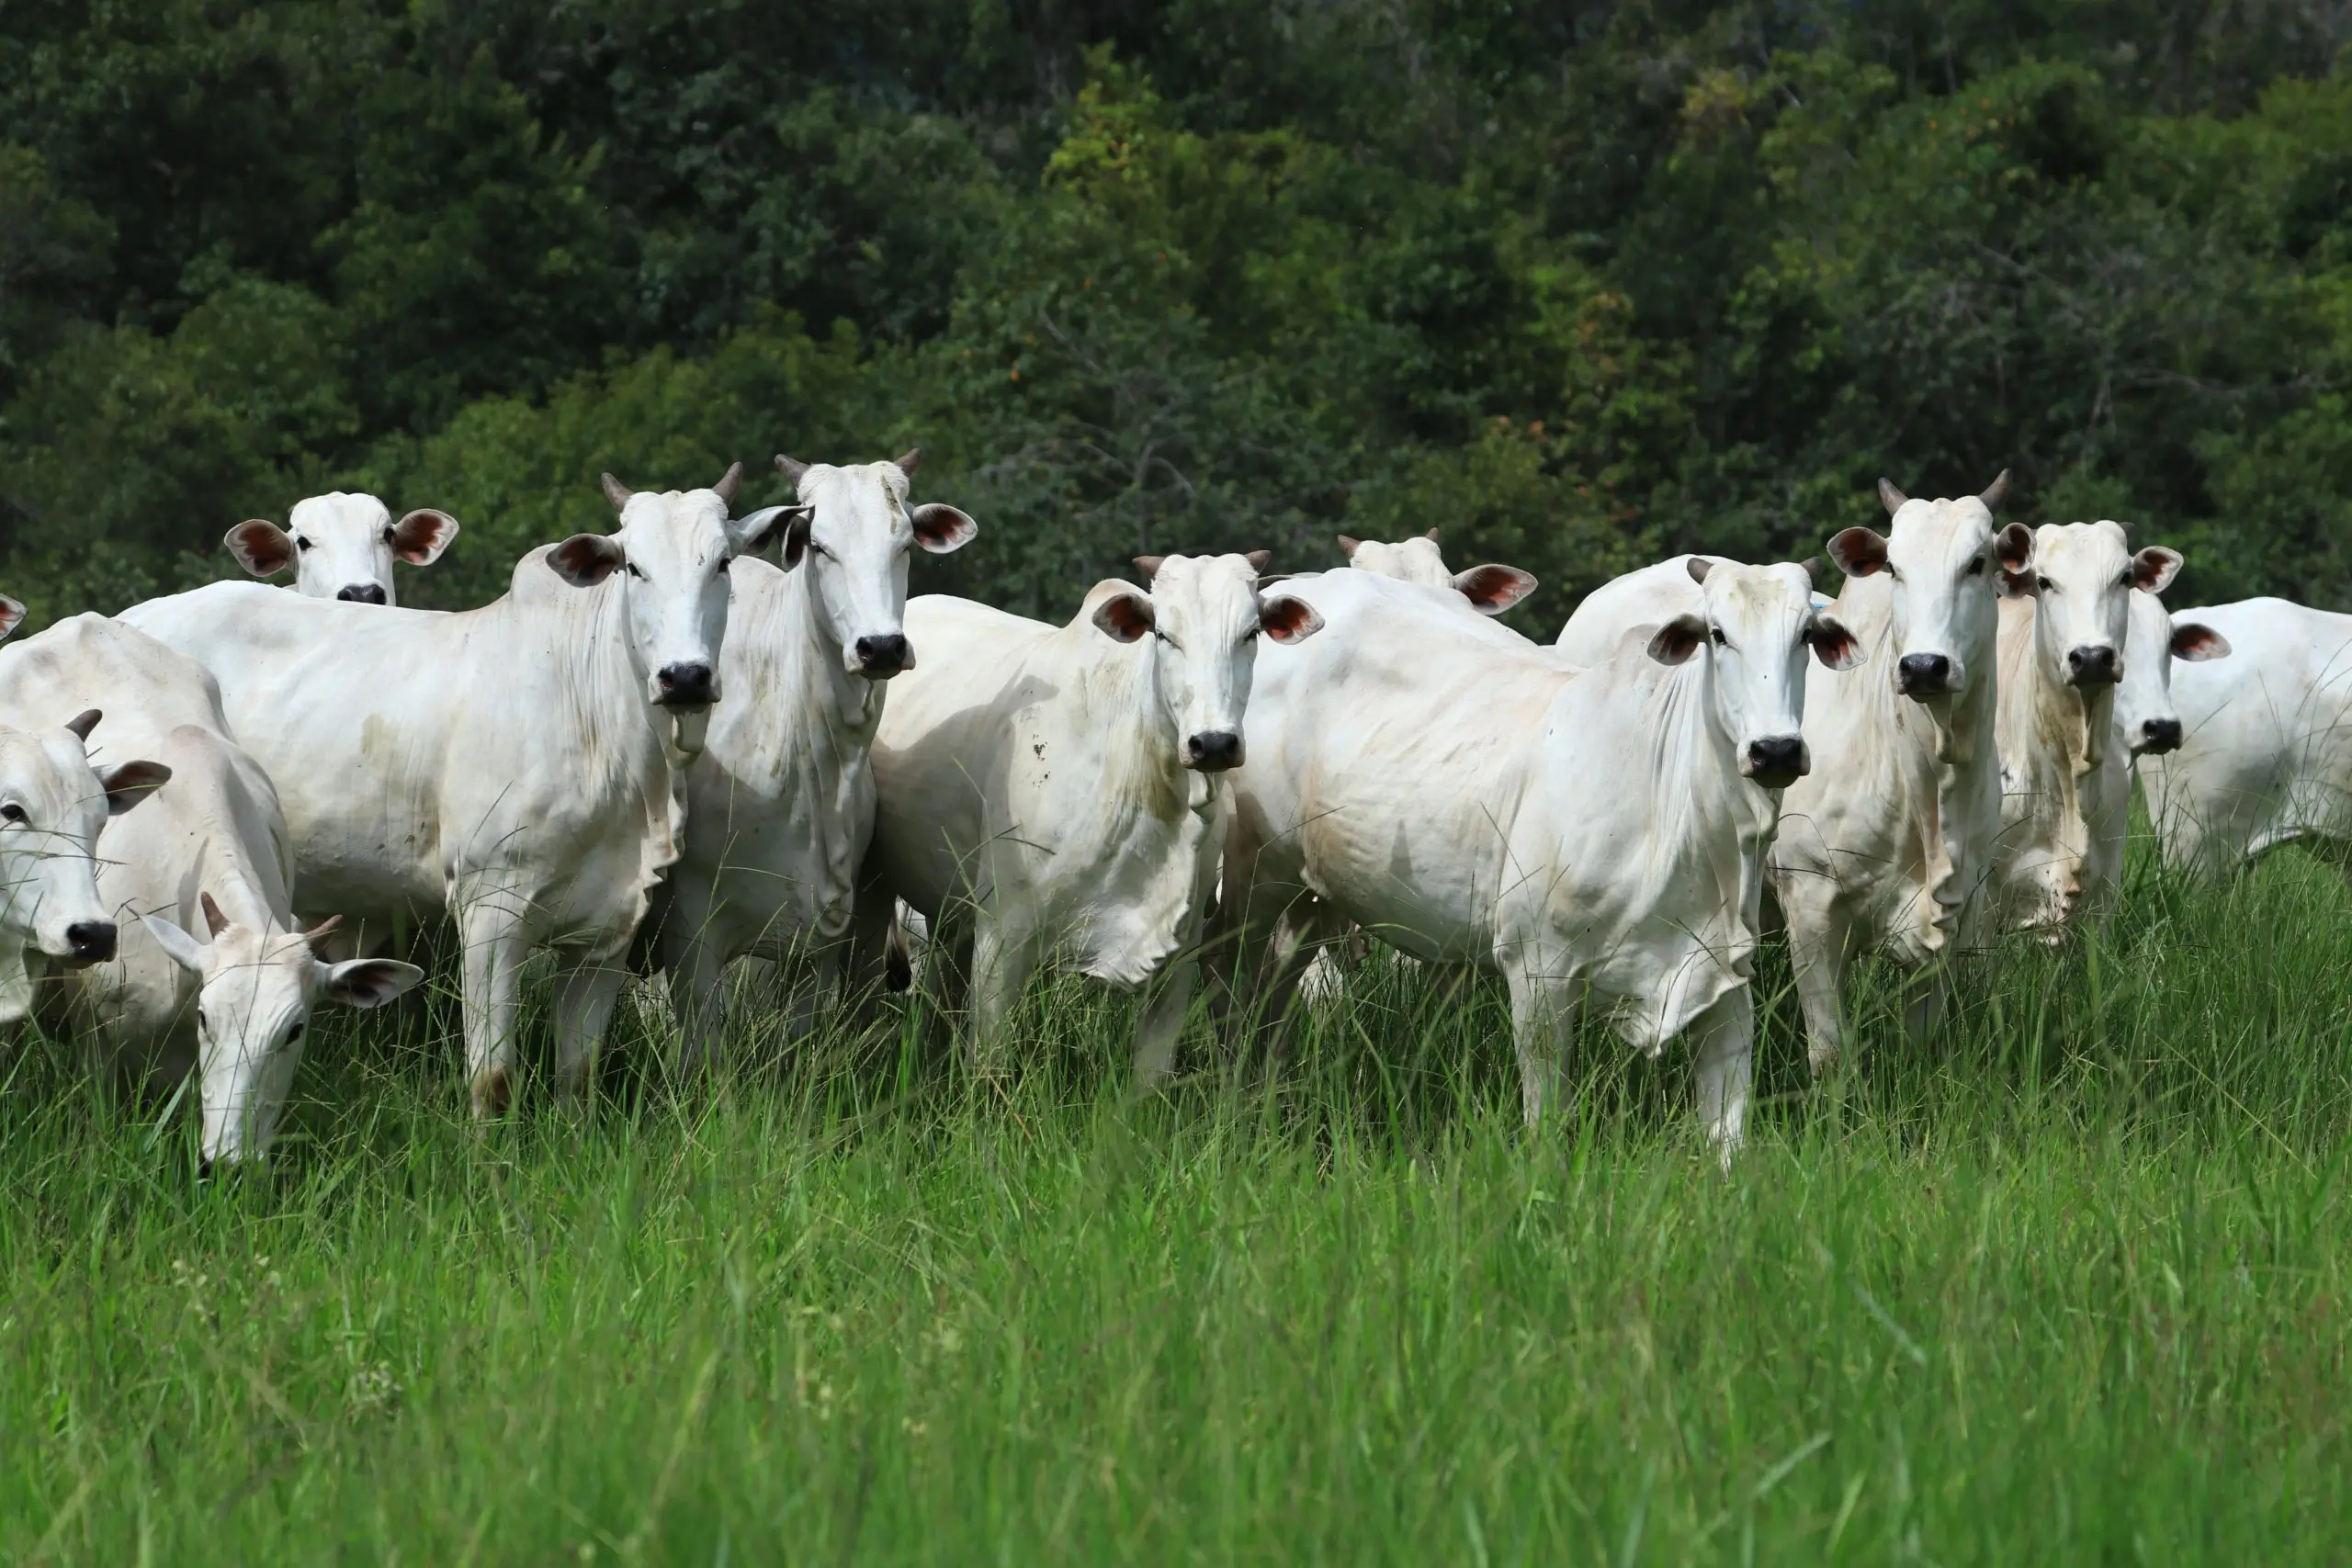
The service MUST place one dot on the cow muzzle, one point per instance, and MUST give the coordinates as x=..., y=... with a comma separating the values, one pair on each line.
x=2093, y=666
x=2158, y=735
x=1777, y=761
x=880, y=657
x=1919, y=675
x=685, y=686
x=88, y=942
x=361, y=593
x=1213, y=750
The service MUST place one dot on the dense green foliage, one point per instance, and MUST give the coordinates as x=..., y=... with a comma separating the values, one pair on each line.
x=1577, y=282
x=2070, y=1289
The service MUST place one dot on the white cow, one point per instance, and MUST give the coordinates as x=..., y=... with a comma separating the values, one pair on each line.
x=1467, y=798
x=53, y=801
x=1887, y=847
x=1055, y=792
x=2146, y=720
x=781, y=798
x=1490, y=589
x=212, y=848
x=513, y=766
x=341, y=546
x=2066, y=783
x=2266, y=749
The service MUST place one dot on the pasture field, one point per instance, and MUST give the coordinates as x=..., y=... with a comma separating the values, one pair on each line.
x=2072, y=1287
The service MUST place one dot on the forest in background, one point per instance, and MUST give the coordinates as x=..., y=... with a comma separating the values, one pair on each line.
x=1579, y=284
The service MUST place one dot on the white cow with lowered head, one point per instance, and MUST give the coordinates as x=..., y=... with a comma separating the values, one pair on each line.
x=53, y=801
x=1464, y=796
x=342, y=545
x=208, y=854
x=1490, y=589
x=780, y=799
x=513, y=766
x=2147, y=720
x=1056, y=791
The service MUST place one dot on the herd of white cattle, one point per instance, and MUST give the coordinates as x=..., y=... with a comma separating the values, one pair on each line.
x=660, y=754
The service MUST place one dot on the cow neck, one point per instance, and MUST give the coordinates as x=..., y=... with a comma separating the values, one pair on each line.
x=802, y=659
x=620, y=742
x=1694, y=775
x=1142, y=767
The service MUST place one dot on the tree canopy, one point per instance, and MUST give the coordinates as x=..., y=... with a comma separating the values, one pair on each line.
x=1579, y=284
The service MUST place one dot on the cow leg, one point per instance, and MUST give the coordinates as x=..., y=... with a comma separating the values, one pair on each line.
x=1722, y=1041
x=1817, y=953
x=495, y=946
x=1162, y=1021
x=1923, y=1004
x=1001, y=963
x=1542, y=1015
x=698, y=994
x=583, y=1010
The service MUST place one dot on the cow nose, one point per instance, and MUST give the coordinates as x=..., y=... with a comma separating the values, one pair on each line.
x=684, y=685
x=1213, y=750
x=2092, y=667
x=1923, y=674
x=92, y=941
x=882, y=656
x=362, y=593
x=1778, y=761
x=2159, y=736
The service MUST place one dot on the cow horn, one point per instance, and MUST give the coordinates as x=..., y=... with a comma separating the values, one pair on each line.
x=214, y=920
x=1259, y=561
x=320, y=933
x=1997, y=492
x=1699, y=565
x=1812, y=565
x=1430, y=535
x=1890, y=497
x=728, y=483
x=907, y=463
x=1348, y=546
x=82, y=723
x=791, y=467
x=1149, y=566
x=615, y=493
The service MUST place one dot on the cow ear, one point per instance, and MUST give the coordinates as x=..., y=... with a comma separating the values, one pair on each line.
x=12, y=614
x=179, y=946
x=421, y=536
x=748, y=531
x=1348, y=545
x=2013, y=546
x=1288, y=619
x=586, y=559
x=940, y=528
x=1493, y=589
x=1124, y=617
x=1837, y=647
x=796, y=535
x=128, y=784
x=2196, y=643
x=370, y=982
x=2153, y=568
x=1677, y=639
x=1858, y=552
x=2015, y=585
x=262, y=547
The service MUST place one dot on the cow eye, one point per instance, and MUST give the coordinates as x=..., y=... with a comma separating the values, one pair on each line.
x=300, y=543
x=1976, y=567
x=294, y=1034
x=630, y=567
x=12, y=812
x=2042, y=583
x=203, y=1019
x=1716, y=634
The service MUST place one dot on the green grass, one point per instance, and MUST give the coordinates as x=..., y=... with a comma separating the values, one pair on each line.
x=2071, y=1288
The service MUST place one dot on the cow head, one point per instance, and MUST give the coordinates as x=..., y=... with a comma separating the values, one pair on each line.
x=853, y=537
x=1490, y=589
x=1203, y=616
x=2081, y=581
x=1942, y=559
x=671, y=552
x=2145, y=714
x=1755, y=629
x=255, y=988
x=341, y=546
x=53, y=802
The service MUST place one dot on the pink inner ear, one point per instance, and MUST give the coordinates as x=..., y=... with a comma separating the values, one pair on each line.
x=421, y=536
x=1286, y=619
x=1858, y=552
x=261, y=547
x=1125, y=616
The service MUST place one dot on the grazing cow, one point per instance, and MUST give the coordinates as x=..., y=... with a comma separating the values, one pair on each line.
x=1472, y=800
x=514, y=765
x=1055, y=792
x=341, y=546
x=2065, y=785
x=2146, y=720
x=1888, y=844
x=1490, y=589
x=53, y=801
x=2266, y=748
x=211, y=847
x=780, y=802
